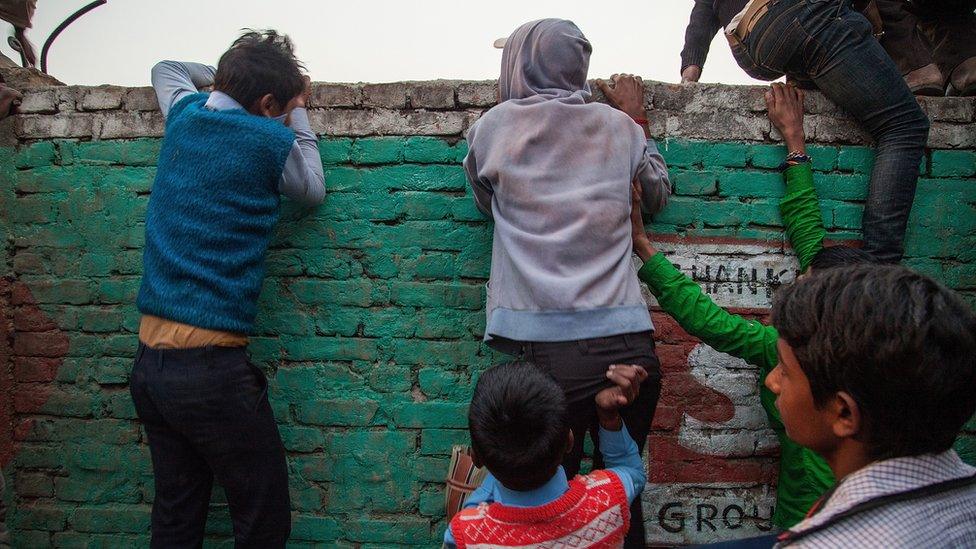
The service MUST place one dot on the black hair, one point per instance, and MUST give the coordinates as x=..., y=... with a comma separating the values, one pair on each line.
x=900, y=344
x=259, y=63
x=839, y=256
x=519, y=424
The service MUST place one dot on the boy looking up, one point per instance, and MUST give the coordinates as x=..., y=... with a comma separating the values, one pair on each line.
x=877, y=366
x=803, y=476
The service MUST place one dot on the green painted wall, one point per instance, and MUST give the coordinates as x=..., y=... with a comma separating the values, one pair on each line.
x=370, y=320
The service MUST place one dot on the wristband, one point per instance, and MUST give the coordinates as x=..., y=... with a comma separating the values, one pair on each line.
x=639, y=121
x=797, y=156
x=792, y=159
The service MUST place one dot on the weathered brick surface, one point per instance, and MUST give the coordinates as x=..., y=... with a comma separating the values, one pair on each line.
x=371, y=316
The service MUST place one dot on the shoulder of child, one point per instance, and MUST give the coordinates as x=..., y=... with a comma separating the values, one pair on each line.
x=601, y=476
x=471, y=513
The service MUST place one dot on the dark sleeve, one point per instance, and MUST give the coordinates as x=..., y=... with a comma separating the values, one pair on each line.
x=702, y=27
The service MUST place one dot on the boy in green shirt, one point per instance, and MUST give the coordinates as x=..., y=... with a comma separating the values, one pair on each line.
x=803, y=475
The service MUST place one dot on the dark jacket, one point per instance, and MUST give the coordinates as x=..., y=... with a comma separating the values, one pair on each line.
x=707, y=17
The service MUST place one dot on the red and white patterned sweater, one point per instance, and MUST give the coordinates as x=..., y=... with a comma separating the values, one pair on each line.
x=593, y=513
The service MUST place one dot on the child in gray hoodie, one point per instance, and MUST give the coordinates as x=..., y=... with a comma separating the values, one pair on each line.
x=555, y=172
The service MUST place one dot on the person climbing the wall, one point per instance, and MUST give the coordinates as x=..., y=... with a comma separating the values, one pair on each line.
x=554, y=173
x=803, y=476
x=933, y=43
x=20, y=14
x=226, y=158
x=830, y=44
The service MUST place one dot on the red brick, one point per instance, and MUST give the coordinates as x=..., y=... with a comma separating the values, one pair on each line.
x=32, y=319
x=667, y=418
x=29, y=397
x=49, y=344
x=20, y=294
x=674, y=358
x=35, y=369
x=22, y=430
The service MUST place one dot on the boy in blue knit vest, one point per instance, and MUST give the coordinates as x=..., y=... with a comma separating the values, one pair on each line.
x=226, y=158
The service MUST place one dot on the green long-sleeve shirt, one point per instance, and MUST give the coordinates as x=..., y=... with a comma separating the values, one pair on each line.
x=803, y=475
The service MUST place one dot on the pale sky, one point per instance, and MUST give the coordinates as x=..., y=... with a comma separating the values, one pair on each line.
x=362, y=40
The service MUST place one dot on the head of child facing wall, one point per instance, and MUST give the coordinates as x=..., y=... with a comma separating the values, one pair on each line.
x=260, y=71
x=519, y=425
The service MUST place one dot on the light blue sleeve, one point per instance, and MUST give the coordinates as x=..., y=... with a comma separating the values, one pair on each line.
x=449, y=538
x=486, y=493
x=303, y=179
x=174, y=80
x=620, y=455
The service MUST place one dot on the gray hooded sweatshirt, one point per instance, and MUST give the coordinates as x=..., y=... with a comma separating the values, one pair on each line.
x=554, y=173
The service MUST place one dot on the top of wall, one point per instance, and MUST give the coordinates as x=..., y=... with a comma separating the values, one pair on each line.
x=447, y=108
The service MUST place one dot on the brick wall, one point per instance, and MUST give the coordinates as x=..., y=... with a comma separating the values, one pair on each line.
x=372, y=312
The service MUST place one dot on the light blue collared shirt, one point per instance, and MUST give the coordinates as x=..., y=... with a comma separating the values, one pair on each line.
x=619, y=453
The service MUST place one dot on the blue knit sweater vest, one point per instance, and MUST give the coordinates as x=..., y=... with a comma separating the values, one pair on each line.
x=211, y=213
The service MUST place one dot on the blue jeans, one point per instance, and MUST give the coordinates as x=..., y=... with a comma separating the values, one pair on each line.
x=828, y=43
x=207, y=416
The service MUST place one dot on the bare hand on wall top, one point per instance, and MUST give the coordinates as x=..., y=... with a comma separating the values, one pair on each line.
x=691, y=73
x=785, y=109
x=625, y=92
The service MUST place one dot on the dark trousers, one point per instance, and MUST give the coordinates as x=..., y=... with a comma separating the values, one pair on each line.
x=207, y=415
x=928, y=31
x=4, y=536
x=828, y=43
x=580, y=368
x=760, y=542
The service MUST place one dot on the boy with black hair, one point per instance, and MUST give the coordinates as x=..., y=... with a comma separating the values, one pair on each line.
x=803, y=476
x=876, y=374
x=226, y=158
x=520, y=430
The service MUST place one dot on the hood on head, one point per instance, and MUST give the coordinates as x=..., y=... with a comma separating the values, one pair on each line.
x=545, y=57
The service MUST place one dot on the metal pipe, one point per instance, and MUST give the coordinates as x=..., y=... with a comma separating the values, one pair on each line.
x=64, y=24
